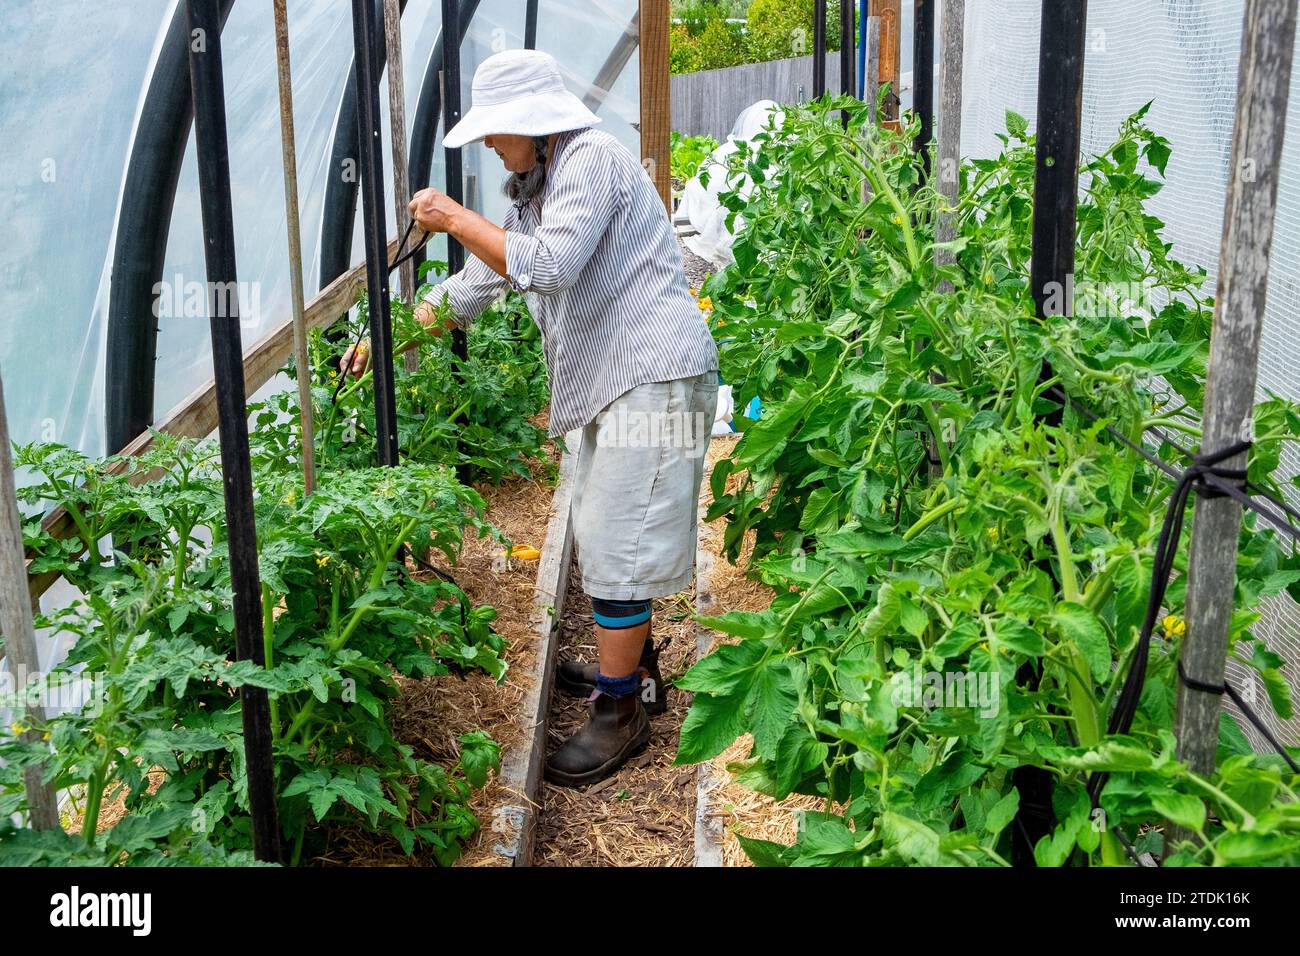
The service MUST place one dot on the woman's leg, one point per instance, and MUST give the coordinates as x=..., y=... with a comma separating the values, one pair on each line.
x=619, y=651
x=636, y=493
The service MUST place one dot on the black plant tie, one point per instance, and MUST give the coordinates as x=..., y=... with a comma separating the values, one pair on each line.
x=1226, y=688
x=413, y=251
x=1205, y=688
x=1199, y=475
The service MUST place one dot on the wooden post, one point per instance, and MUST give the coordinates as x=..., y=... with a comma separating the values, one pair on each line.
x=1267, y=41
x=655, y=104
x=401, y=182
x=951, y=45
x=307, y=432
x=890, y=15
x=16, y=626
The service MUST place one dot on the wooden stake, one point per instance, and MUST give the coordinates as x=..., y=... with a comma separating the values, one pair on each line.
x=948, y=154
x=871, y=75
x=16, y=626
x=1267, y=41
x=656, y=117
x=401, y=182
x=306, y=427
x=890, y=15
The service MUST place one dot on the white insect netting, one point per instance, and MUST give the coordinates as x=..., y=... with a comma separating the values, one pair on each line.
x=1183, y=55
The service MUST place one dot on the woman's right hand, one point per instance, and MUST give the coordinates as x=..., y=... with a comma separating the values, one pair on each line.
x=427, y=315
x=356, y=359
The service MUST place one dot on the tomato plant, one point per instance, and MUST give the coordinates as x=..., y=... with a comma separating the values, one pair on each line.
x=938, y=626
x=343, y=617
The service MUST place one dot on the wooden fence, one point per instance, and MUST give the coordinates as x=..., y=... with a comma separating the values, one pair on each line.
x=709, y=101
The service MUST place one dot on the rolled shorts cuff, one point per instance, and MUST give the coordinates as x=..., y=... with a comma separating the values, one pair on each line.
x=643, y=591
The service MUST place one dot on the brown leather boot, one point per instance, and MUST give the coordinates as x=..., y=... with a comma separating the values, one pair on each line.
x=579, y=680
x=616, y=729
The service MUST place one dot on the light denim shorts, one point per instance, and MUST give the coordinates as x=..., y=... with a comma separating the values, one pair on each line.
x=637, y=487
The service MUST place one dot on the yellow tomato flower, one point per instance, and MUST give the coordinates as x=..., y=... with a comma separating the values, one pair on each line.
x=17, y=728
x=322, y=561
x=896, y=219
x=993, y=533
x=1174, y=626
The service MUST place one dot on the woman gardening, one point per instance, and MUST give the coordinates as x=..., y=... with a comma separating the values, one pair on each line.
x=629, y=359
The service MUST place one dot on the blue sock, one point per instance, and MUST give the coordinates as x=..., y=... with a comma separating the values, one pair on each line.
x=617, y=687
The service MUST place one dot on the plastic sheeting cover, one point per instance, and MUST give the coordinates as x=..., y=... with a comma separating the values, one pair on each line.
x=67, y=117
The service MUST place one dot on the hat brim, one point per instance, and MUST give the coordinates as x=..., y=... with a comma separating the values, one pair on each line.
x=540, y=114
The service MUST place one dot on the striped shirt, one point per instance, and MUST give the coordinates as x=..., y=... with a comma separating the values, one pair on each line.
x=597, y=260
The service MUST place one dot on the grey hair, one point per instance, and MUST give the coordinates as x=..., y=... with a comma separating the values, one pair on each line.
x=523, y=188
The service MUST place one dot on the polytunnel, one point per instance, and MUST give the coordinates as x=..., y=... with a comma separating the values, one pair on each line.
x=308, y=562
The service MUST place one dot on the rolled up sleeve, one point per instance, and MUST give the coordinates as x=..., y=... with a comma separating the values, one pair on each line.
x=579, y=206
x=469, y=291
x=473, y=288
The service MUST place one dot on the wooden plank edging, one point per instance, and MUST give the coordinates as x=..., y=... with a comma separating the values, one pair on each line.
x=515, y=820
x=708, y=824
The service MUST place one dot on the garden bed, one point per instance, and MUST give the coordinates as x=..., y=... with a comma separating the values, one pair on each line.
x=432, y=713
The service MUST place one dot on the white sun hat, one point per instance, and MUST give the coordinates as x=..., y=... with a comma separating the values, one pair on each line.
x=519, y=92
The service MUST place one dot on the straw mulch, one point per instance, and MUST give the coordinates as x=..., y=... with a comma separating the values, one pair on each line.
x=644, y=815
x=752, y=814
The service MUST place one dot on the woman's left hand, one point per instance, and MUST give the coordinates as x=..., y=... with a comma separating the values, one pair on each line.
x=434, y=211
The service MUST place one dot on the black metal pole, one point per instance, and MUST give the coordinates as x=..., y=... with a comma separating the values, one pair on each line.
x=530, y=25
x=451, y=116
x=209, y=97
x=848, y=62
x=819, y=48
x=451, y=157
x=848, y=48
x=1056, y=171
x=366, y=36
x=923, y=79
x=1056, y=190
